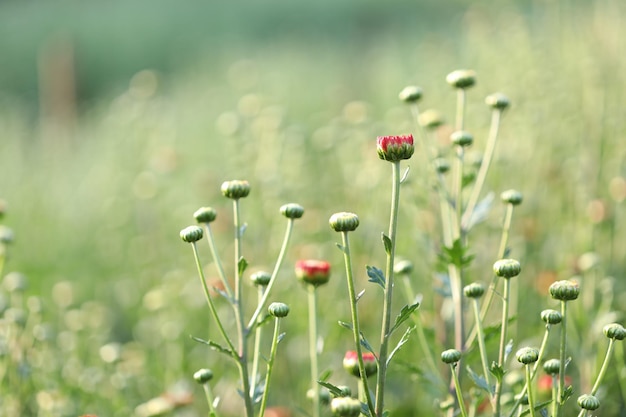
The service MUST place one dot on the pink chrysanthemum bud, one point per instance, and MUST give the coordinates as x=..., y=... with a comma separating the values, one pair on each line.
x=395, y=148
x=313, y=272
x=351, y=363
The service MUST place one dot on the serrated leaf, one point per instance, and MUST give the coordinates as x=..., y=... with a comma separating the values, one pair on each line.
x=242, y=264
x=376, y=276
x=404, y=315
x=541, y=407
x=335, y=390
x=456, y=255
x=567, y=392
x=405, y=174
x=215, y=346
x=402, y=342
x=387, y=243
x=480, y=381
x=497, y=371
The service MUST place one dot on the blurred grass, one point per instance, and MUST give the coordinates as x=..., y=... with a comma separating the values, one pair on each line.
x=291, y=99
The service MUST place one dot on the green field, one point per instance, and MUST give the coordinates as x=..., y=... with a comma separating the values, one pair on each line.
x=172, y=100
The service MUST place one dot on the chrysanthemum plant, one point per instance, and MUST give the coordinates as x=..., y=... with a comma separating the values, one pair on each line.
x=467, y=389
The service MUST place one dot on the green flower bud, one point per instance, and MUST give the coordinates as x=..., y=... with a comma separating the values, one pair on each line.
x=507, y=268
x=351, y=363
x=203, y=376
x=344, y=222
x=205, y=215
x=15, y=282
x=395, y=148
x=313, y=272
x=345, y=407
x=565, y=290
x=430, y=119
x=527, y=355
x=292, y=210
x=345, y=391
x=513, y=197
x=403, y=267
x=450, y=356
x=324, y=395
x=411, y=94
x=461, y=78
x=278, y=310
x=497, y=101
x=588, y=402
x=552, y=366
x=614, y=331
x=474, y=290
x=6, y=235
x=551, y=316
x=461, y=138
x=191, y=234
x=236, y=189
x=441, y=165
x=261, y=278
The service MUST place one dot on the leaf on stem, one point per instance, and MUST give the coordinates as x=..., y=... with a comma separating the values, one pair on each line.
x=223, y=294
x=387, y=243
x=541, y=407
x=242, y=264
x=481, y=211
x=405, y=174
x=335, y=390
x=404, y=315
x=367, y=346
x=325, y=375
x=456, y=255
x=376, y=276
x=497, y=371
x=242, y=229
x=259, y=323
x=403, y=340
x=359, y=295
x=480, y=381
x=215, y=346
x=507, y=349
x=280, y=337
x=341, y=247
x=345, y=324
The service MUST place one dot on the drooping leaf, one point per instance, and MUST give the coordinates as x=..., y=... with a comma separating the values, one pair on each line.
x=242, y=264
x=387, y=243
x=215, y=346
x=404, y=315
x=480, y=381
x=402, y=342
x=376, y=276
x=335, y=390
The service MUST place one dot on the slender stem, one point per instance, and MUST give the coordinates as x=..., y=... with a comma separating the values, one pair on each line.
x=605, y=366
x=315, y=388
x=270, y=366
x=458, y=189
x=355, y=320
x=388, y=291
x=210, y=300
x=460, y=108
x=258, y=336
x=217, y=260
x=562, y=349
x=459, y=393
x=481, y=342
x=484, y=167
x=503, y=337
x=209, y=398
x=531, y=401
x=279, y=262
x=555, y=393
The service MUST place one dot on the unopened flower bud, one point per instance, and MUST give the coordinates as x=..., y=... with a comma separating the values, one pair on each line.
x=588, y=402
x=430, y=119
x=441, y=165
x=351, y=363
x=292, y=210
x=474, y=290
x=450, y=356
x=513, y=197
x=345, y=391
x=507, y=268
x=191, y=234
x=461, y=138
x=614, y=331
x=313, y=272
x=15, y=282
x=403, y=267
x=236, y=189
x=411, y=94
x=278, y=310
x=324, y=396
x=551, y=316
x=345, y=407
x=395, y=148
x=203, y=376
x=565, y=290
x=527, y=355
x=461, y=78
x=552, y=366
x=497, y=101
x=261, y=278
x=344, y=222
x=205, y=215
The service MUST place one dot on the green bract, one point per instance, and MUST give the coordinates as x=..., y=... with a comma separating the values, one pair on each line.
x=191, y=234
x=565, y=290
x=344, y=222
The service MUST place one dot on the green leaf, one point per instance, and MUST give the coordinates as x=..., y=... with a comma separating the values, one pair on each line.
x=367, y=345
x=345, y=324
x=260, y=322
x=280, y=337
x=387, y=243
x=325, y=375
x=242, y=264
x=341, y=248
x=335, y=390
x=403, y=340
x=215, y=346
x=480, y=381
x=456, y=255
x=376, y=275
x=497, y=371
x=567, y=392
x=404, y=315
x=538, y=407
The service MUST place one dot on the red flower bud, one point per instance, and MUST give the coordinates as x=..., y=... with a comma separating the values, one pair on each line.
x=313, y=272
x=351, y=363
x=395, y=148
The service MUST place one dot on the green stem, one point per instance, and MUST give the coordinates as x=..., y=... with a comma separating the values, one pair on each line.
x=355, y=320
x=457, y=388
x=562, y=349
x=481, y=342
x=258, y=335
x=209, y=398
x=503, y=337
x=388, y=291
x=315, y=388
x=279, y=262
x=605, y=366
x=460, y=108
x=270, y=366
x=217, y=260
x=531, y=401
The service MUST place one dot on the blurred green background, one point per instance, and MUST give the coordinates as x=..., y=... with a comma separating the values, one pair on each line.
x=118, y=119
